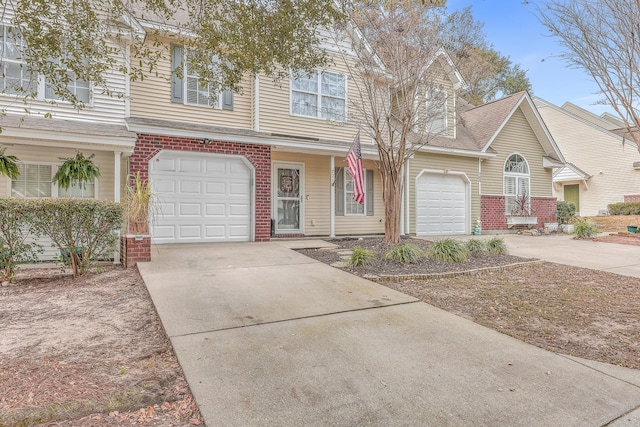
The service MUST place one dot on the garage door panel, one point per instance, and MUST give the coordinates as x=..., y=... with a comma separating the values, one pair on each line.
x=207, y=199
x=441, y=204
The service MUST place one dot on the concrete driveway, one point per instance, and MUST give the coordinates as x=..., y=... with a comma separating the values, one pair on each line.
x=268, y=337
x=563, y=249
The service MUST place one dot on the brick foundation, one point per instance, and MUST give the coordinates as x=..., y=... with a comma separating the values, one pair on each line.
x=147, y=146
x=134, y=249
x=492, y=212
x=628, y=198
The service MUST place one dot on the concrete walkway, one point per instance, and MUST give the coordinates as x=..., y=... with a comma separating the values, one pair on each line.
x=268, y=337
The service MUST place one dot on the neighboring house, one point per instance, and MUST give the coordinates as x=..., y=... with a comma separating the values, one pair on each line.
x=40, y=143
x=487, y=157
x=602, y=166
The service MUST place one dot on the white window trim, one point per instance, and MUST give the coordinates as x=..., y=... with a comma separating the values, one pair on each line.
x=318, y=93
x=518, y=176
x=346, y=173
x=42, y=83
x=4, y=26
x=185, y=79
x=54, y=186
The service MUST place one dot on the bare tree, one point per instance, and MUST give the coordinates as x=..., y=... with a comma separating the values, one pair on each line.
x=394, y=66
x=602, y=38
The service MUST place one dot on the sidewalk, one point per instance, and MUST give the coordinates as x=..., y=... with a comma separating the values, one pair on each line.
x=269, y=337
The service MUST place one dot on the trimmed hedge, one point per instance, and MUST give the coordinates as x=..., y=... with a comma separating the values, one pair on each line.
x=84, y=230
x=16, y=218
x=629, y=208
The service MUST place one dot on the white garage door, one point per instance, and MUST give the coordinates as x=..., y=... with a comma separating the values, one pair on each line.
x=202, y=198
x=441, y=204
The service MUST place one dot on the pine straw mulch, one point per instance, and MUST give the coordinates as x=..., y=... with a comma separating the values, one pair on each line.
x=585, y=313
x=87, y=352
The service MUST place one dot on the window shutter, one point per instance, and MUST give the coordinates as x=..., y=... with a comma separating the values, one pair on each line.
x=368, y=198
x=177, y=88
x=339, y=191
x=227, y=100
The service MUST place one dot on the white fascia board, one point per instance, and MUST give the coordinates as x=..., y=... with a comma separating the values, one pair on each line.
x=279, y=143
x=171, y=29
x=71, y=140
x=456, y=152
x=548, y=162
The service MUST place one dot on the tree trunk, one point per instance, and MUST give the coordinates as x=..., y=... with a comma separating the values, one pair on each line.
x=392, y=196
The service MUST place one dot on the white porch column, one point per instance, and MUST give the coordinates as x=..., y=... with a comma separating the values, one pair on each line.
x=407, y=196
x=402, y=207
x=117, y=156
x=332, y=198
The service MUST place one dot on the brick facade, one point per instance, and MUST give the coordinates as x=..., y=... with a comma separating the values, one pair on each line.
x=628, y=198
x=492, y=211
x=147, y=146
x=135, y=249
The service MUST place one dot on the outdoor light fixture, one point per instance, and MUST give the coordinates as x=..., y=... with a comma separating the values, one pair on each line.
x=206, y=141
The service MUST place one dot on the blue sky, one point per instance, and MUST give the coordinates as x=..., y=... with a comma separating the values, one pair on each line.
x=514, y=31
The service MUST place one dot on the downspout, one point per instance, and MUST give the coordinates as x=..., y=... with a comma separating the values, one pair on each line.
x=332, y=197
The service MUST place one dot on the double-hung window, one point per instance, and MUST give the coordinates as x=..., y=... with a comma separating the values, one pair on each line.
x=516, y=184
x=322, y=95
x=81, y=89
x=436, y=111
x=15, y=79
x=351, y=207
x=198, y=91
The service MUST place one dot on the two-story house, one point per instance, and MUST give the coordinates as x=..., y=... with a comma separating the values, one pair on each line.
x=42, y=131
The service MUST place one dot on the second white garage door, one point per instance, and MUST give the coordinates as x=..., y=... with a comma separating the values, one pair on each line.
x=441, y=204
x=202, y=198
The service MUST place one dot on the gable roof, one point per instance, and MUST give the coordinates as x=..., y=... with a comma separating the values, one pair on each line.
x=570, y=172
x=478, y=127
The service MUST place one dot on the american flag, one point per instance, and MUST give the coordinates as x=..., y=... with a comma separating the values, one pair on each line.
x=354, y=161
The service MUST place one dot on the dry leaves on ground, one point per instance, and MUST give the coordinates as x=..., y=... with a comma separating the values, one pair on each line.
x=87, y=352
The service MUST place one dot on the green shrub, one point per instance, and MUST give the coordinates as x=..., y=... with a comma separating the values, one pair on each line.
x=406, y=254
x=449, y=250
x=584, y=229
x=84, y=230
x=361, y=256
x=496, y=246
x=476, y=246
x=15, y=226
x=629, y=208
x=565, y=211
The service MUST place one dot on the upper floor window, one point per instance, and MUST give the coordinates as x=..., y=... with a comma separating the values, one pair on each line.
x=81, y=89
x=190, y=88
x=323, y=95
x=15, y=79
x=436, y=111
x=516, y=185
x=35, y=180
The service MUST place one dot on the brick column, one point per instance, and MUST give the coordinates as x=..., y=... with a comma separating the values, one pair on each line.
x=135, y=249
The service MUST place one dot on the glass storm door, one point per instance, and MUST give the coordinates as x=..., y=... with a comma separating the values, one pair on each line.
x=288, y=199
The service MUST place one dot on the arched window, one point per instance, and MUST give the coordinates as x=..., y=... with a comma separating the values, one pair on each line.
x=516, y=185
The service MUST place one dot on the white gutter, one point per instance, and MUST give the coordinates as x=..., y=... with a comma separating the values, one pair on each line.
x=256, y=106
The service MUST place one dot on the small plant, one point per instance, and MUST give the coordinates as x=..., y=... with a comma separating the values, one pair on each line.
x=566, y=211
x=78, y=169
x=406, y=254
x=139, y=204
x=476, y=246
x=449, y=250
x=360, y=257
x=16, y=216
x=521, y=205
x=584, y=229
x=496, y=246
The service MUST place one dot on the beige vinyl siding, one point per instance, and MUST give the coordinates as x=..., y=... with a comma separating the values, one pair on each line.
x=317, y=187
x=594, y=151
x=516, y=137
x=439, y=77
x=151, y=98
x=438, y=162
x=276, y=117
x=51, y=155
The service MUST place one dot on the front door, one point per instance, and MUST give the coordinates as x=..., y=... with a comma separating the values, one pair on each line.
x=572, y=194
x=287, y=200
